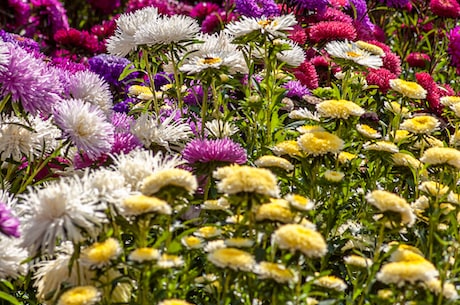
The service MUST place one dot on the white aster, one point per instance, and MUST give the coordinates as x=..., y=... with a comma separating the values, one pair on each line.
x=63, y=210
x=11, y=258
x=123, y=42
x=350, y=51
x=292, y=57
x=221, y=129
x=304, y=114
x=274, y=27
x=108, y=185
x=169, y=133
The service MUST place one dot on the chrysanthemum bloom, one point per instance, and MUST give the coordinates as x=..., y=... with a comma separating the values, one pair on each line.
x=339, y=109
x=411, y=271
x=418, y=59
x=310, y=128
x=81, y=295
x=236, y=179
x=381, y=146
x=293, y=56
x=208, y=232
x=167, y=261
x=257, y=8
x=331, y=30
x=303, y=114
x=333, y=176
x=9, y=225
x=449, y=100
x=320, y=143
x=219, y=204
x=86, y=126
x=274, y=161
x=288, y=147
x=441, y=155
x=232, y=258
x=101, y=253
x=389, y=202
x=367, y=131
x=145, y=254
x=12, y=258
x=456, y=109
x=351, y=52
x=221, y=151
x=453, y=47
x=446, y=289
x=141, y=92
x=275, y=27
x=274, y=211
x=221, y=129
x=174, y=302
x=424, y=124
x=445, y=8
x=433, y=188
x=331, y=282
x=296, y=237
x=174, y=177
x=300, y=202
x=141, y=204
x=358, y=261
x=381, y=78
x=276, y=272
x=306, y=73
x=396, y=108
x=408, y=88
x=239, y=242
x=406, y=160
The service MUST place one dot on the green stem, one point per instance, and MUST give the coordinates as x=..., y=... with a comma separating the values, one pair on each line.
x=177, y=80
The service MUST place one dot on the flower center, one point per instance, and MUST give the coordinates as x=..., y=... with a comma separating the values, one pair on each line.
x=211, y=60
x=267, y=22
x=353, y=54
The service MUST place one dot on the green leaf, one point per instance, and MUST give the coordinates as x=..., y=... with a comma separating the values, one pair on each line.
x=9, y=298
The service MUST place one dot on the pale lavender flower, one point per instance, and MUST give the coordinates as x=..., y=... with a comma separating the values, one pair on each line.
x=9, y=225
x=296, y=89
x=110, y=67
x=86, y=126
x=124, y=142
x=218, y=150
x=257, y=8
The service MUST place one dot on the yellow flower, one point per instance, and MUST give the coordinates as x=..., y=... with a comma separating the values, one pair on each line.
x=217, y=204
x=406, y=160
x=455, y=138
x=274, y=211
x=142, y=92
x=331, y=282
x=101, y=253
x=290, y=148
x=232, y=258
x=371, y=48
x=141, y=204
x=81, y=295
x=385, y=294
x=170, y=261
x=310, y=128
x=433, y=188
x=339, y=109
x=424, y=124
x=386, y=201
x=208, y=232
x=396, y=108
x=345, y=157
x=277, y=272
x=358, y=261
x=174, y=177
x=448, y=290
x=333, y=176
x=368, y=131
x=449, y=100
x=428, y=141
x=320, y=143
x=412, y=272
x=401, y=135
x=274, y=161
x=381, y=146
x=442, y=155
x=174, y=302
x=141, y=255
x=297, y=237
x=300, y=202
x=236, y=179
x=192, y=242
x=456, y=109
x=239, y=242
x=408, y=89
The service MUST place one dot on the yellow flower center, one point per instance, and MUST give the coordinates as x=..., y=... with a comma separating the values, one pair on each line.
x=211, y=60
x=353, y=54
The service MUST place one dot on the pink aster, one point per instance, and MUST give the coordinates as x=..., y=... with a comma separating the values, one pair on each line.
x=325, y=31
x=445, y=8
x=307, y=75
x=381, y=78
x=219, y=150
x=427, y=82
x=418, y=59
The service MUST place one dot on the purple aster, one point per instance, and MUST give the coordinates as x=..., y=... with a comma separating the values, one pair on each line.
x=27, y=44
x=124, y=143
x=296, y=89
x=257, y=8
x=54, y=12
x=454, y=46
x=121, y=121
x=219, y=150
x=9, y=225
x=30, y=81
x=110, y=67
x=395, y=3
x=162, y=78
x=21, y=12
x=312, y=5
x=86, y=126
x=194, y=95
x=124, y=106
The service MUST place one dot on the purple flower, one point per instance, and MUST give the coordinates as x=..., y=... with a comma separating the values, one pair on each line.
x=311, y=5
x=121, y=121
x=110, y=67
x=194, y=95
x=454, y=46
x=54, y=12
x=26, y=43
x=219, y=150
x=124, y=142
x=395, y=3
x=162, y=78
x=257, y=8
x=296, y=89
x=9, y=225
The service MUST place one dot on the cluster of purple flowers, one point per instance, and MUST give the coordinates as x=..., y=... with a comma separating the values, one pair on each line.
x=9, y=225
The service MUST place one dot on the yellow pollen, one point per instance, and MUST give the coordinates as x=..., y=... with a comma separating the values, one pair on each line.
x=267, y=22
x=211, y=60
x=353, y=54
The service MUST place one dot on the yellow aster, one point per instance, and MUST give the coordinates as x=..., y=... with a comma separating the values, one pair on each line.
x=441, y=155
x=406, y=160
x=423, y=124
x=455, y=138
x=408, y=88
x=371, y=48
x=358, y=261
x=449, y=100
x=345, y=157
x=167, y=261
x=310, y=128
x=174, y=302
x=396, y=108
x=320, y=143
x=331, y=282
x=216, y=204
x=192, y=242
x=428, y=141
x=296, y=237
x=403, y=272
x=101, y=253
x=289, y=147
x=145, y=254
x=239, y=242
x=433, y=188
x=448, y=290
x=232, y=258
x=172, y=177
x=274, y=212
x=141, y=204
x=401, y=135
x=81, y=295
x=339, y=109
x=274, y=161
x=333, y=176
x=141, y=92
x=300, y=202
x=208, y=232
x=277, y=272
x=389, y=202
x=385, y=146
x=456, y=109
x=367, y=131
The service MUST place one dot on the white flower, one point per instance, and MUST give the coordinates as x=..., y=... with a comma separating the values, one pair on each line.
x=48, y=134
x=11, y=258
x=274, y=27
x=294, y=56
x=167, y=30
x=90, y=87
x=122, y=42
x=221, y=129
x=350, y=51
x=170, y=132
x=303, y=114
x=108, y=185
x=63, y=210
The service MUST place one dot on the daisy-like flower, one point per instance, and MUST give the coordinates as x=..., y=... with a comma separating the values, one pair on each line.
x=174, y=177
x=300, y=202
x=274, y=161
x=91, y=88
x=167, y=30
x=235, y=179
x=80, y=295
x=277, y=210
x=294, y=56
x=64, y=210
x=145, y=254
x=358, y=261
x=232, y=258
x=350, y=51
x=389, y=202
x=219, y=204
x=424, y=124
x=310, y=128
x=100, y=254
x=395, y=107
x=433, y=188
x=456, y=109
x=167, y=133
x=408, y=88
x=239, y=242
x=221, y=151
x=339, y=109
x=381, y=146
x=86, y=126
x=446, y=289
x=288, y=147
x=123, y=42
x=167, y=261
x=303, y=114
x=320, y=143
x=12, y=257
x=331, y=282
x=407, y=271
x=454, y=139
x=141, y=92
x=367, y=131
x=275, y=27
x=141, y=204
x=174, y=302
x=449, y=100
x=441, y=155
x=221, y=129
x=295, y=237
x=208, y=232
x=333, y=176
x=345, y=157
x=406, y=160
x=192, y=242
x=276, y=272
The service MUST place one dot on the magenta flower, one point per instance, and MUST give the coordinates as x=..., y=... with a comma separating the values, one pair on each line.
x=9, y=225
x=454, y=46
x=224, y=150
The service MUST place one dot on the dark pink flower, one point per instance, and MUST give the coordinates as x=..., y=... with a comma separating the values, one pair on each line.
x=445, y=8
x=425, y=80
x=307, y=75
x=381, y=78
x=325, y=31
x=418, y=59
